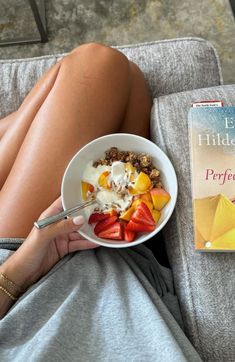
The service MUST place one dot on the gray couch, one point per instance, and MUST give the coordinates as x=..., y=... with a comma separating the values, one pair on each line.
x=179, y=72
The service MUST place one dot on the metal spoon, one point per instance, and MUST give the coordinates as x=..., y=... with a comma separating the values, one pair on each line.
x=52, y=219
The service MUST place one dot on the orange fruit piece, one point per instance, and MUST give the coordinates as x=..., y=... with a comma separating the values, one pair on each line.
x=156, y=215
x=137, y=202
x=126, y=215
x=142, y=183
x=160, y=198
x=103, y=180
x=146, y=197
x=130, y=168
x=85, y=188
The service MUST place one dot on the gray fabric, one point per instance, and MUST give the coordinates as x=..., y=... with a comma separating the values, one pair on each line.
x=169, y=66
x=204, y=282
x=96, y=305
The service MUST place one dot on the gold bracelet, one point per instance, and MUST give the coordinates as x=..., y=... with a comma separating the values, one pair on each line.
x=8, y=285
x=8, y=293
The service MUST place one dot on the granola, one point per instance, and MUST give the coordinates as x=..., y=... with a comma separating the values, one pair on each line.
x=141, y=161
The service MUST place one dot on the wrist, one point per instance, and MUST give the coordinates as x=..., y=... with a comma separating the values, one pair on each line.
x=5, y=303
x=9, y=291
x=13, y=268
x=13, y=274
x=25, y=266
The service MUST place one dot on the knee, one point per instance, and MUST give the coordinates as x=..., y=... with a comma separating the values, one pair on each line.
x=135, y=70
x=90, y=49
x=136, y=73
x=101, y=55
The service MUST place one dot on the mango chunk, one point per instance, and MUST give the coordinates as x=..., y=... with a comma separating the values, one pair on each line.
x=134, y=192
x=160, y=198
x=142, y=183
x=136, y=203
x=103, y=180
x=146, y=197
x=156, y=215
x=85, y=188
x=132, y=177
x=130, y=168
x=126, y=215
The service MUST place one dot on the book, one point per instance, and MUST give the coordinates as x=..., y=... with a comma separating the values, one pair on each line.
x=212, y=154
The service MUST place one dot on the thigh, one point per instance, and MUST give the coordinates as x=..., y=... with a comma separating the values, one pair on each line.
x=17, y=124
x=87, y=100
x=6, y=122
x=137, y=117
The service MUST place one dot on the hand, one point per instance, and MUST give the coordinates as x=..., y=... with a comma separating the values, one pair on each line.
x=45, y=247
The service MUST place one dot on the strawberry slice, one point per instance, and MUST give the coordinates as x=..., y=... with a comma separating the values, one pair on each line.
x=139, y=227
x=113, y=213
x=104, y=224
x=129, y=235
x=97, y=216
x=113, y=231
x=143, y=215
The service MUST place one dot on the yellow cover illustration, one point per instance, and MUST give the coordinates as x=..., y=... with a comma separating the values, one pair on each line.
x=212, y=142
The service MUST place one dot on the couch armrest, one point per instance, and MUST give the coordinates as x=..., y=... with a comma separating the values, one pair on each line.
x=204, y=281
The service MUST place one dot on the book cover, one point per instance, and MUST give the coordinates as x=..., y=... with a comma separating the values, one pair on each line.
x=212, y=148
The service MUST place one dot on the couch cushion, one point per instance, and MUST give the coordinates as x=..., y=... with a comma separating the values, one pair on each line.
x=169, y=66
x=204, y=281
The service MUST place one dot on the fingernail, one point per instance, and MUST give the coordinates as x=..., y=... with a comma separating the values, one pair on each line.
x=78, y=220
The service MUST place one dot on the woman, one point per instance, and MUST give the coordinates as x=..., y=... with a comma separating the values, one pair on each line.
x=55, y=304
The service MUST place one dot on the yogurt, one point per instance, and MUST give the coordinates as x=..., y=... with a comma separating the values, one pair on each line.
x=118, y=174
x=91, y=173
x=109, y=199
x=118, y=197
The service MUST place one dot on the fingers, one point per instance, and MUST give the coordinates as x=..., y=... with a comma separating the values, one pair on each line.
x=77, y=242
x=83, y=244
x=75, y=235
x=68, y=226
x=62, y=227
x=53, y=209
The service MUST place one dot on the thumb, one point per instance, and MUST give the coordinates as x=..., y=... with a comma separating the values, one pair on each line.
x=62, y=227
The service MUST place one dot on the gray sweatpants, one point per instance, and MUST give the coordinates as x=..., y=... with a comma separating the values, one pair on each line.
x=97, y=305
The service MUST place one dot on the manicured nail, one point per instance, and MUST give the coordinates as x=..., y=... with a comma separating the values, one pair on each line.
x=78, y=220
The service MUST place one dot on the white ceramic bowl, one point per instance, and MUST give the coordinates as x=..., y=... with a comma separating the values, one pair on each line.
x=71, y=183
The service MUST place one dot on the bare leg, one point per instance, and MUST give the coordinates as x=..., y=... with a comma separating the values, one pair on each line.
x=6, y=122
x=89, y=97
x=137, y=115
x=16, y=125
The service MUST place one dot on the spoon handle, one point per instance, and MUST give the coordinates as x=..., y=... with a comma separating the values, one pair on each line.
x=52, y=219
